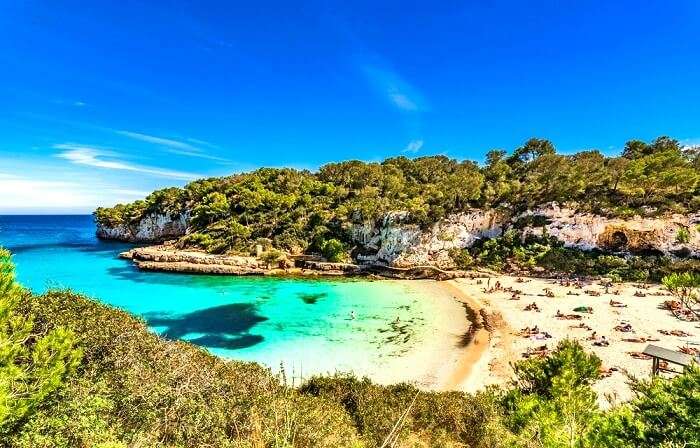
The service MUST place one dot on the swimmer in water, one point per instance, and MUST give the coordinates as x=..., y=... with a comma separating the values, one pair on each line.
x=352, y=314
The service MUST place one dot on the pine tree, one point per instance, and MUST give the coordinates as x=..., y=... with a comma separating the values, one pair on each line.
x=32, y=366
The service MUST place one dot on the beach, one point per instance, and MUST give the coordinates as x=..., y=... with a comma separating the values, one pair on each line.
x=638, y=306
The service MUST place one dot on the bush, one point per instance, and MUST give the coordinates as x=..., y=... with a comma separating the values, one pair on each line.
x=682, y=236
x=663, y=413
x=334, y=251
x=461, y=258
x=553, y=404
x=272, y=257
x=446, y=419
x=135, y=388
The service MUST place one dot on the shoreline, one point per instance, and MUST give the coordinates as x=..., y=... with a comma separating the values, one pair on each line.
x=629, y=315
x=476, y=348
x=165, y=258
x=455, y=358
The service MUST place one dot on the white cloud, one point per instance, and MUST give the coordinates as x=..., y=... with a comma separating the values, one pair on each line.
x=25, y=195
x=20, y=193
x=395, y=89
x=174, y=146
x=413, y=146
x=98, y=158
x=402, y=101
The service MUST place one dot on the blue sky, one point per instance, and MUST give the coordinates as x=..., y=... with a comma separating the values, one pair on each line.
x=103, y=102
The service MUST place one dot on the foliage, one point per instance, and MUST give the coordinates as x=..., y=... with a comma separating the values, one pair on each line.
x=684, y=285
x=334, y=250
x=682, y=236
x=272, y=257
x=446, y=419
x=513, y=251
x=33, y=364
x=299, y=210
x=664, y=413
x=553, y=403
x=137, y=389
x=461, y=258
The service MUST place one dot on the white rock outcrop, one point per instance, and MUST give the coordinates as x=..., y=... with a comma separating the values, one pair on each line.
x=671, y=235
x=154, y=227
x=399, y=244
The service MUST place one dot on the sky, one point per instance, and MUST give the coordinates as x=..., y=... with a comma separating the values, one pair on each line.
x=102, y=102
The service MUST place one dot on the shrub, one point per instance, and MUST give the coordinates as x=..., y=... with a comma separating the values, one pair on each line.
x=272, y=257
x=682, y=236
x=334, y=250
x=449, y=419
x=34, y=364
x=664, y=412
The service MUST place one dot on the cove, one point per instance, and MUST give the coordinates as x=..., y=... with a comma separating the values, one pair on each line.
x=303, y=325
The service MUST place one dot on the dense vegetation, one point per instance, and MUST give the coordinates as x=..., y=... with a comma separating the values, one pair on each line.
x=76, y=373
x=511, y=252
x=299, y=211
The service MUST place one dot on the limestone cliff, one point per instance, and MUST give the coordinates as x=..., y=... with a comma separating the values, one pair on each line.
x=670, y=235
x=396, y=242
x=154, y=227
x=404, y=245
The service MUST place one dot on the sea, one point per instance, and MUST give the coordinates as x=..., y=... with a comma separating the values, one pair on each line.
x=301, y=326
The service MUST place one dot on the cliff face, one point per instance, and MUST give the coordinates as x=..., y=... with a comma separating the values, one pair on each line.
x=406, y=245
x=397, y=243
x=154, y=227
x=671, y=235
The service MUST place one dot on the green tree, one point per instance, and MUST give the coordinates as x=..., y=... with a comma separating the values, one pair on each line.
x=553, y=404
x=214, y=206
x=664, y=412
x=272, y=257
x=334, y=250
x=684, y=285
x=531, y=151
x=32, y=367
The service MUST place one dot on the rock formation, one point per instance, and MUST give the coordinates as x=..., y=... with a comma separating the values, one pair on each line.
x=153, y=228
x=670, y=235
x=395, y=242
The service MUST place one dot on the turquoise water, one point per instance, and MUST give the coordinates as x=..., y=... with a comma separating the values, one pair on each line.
x=303, y=324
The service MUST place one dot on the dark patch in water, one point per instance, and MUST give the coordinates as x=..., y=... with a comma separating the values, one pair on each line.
x=245, y=341
x=224, y=326
x=87, y=247
x=311, y=299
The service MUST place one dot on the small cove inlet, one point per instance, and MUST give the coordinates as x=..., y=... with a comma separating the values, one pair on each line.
x=401, y=330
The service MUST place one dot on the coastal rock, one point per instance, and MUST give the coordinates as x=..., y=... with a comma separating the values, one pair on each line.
x=396, y=242
x=400, y=244
x=670, y=235
x=154, y=227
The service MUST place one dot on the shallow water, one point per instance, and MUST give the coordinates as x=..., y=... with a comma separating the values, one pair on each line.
x=303, y=324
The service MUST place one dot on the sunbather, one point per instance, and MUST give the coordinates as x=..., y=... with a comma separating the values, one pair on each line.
x=617, y=304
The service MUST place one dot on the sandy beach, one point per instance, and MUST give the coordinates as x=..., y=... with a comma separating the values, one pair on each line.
x=638, y=306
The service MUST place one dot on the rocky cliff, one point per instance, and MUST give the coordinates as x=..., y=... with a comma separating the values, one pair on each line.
x=398, y=243
x=152, y=228
x=670, y=235
x=404, y=245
